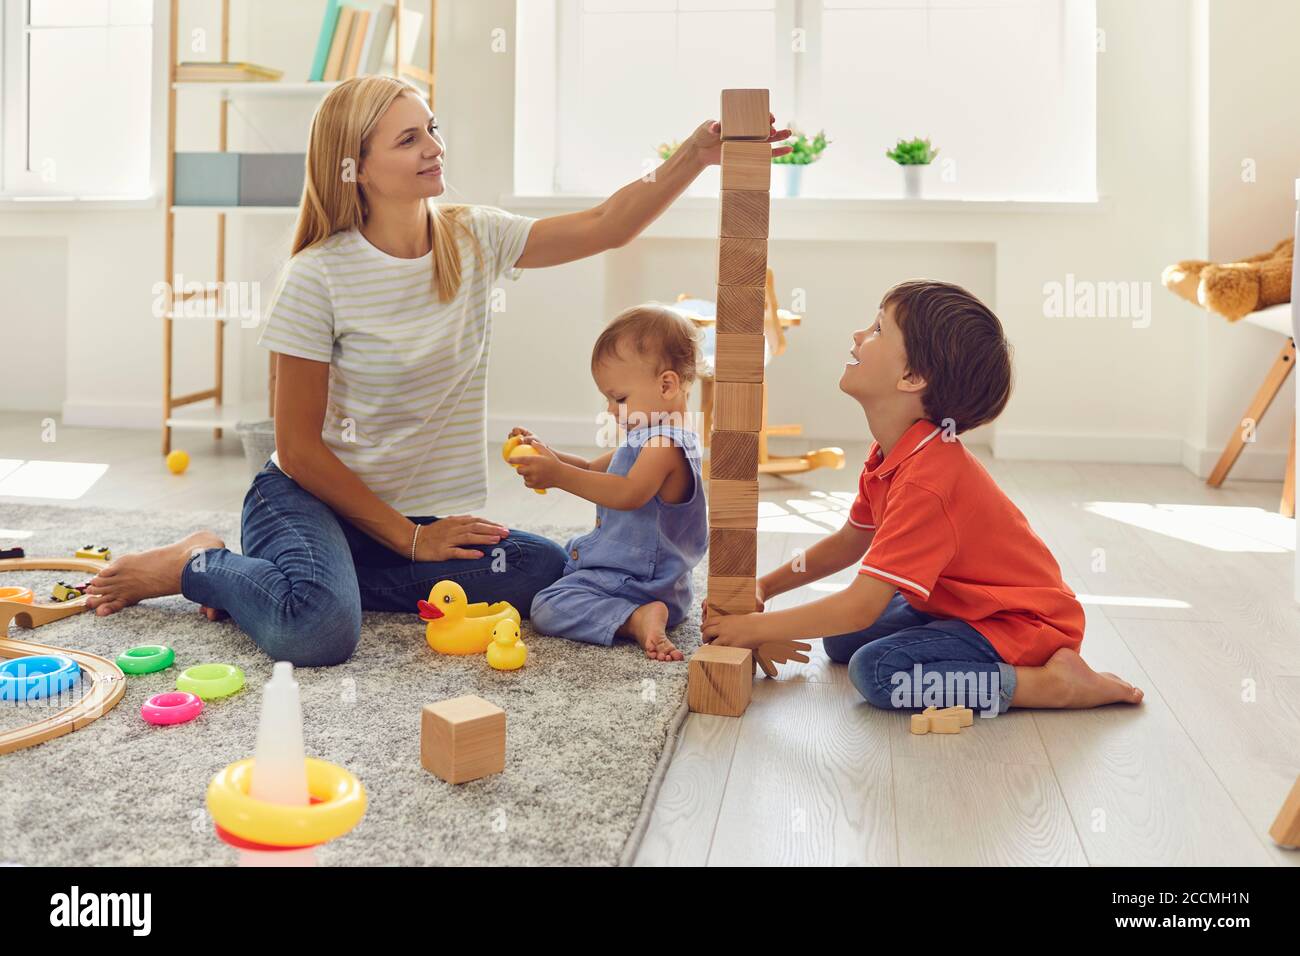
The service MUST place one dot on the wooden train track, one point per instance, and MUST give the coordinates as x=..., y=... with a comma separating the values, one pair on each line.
x=107, y=682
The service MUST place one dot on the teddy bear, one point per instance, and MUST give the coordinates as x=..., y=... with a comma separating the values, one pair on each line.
x=1234, y=289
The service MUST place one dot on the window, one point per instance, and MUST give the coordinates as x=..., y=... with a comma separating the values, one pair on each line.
x=76, y=98
x=1006, y=89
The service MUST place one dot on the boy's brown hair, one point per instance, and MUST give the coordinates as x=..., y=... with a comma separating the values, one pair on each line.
x=956, y=343
x=659, y=334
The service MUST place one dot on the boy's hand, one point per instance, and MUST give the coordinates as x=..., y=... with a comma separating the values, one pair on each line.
x=522, y=432
x=538, y=471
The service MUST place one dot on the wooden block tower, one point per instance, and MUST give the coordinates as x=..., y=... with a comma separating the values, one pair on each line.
x=738, y=366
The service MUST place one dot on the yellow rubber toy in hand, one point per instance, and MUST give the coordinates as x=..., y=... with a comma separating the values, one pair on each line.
x=514, y=446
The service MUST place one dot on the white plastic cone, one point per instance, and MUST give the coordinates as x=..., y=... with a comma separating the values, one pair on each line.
x=280, y=762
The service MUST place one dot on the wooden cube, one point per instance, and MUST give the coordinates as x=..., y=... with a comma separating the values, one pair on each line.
x=463, y=738
x=744, y=214
x=733, y=504
x=719, y=680
x=740, y=309
x=742, y=261
x=731, y=594
x=745, y=114
x=733, y=454
x=1285, y=830
x=738, y=358
x=733, y=552
x=747, y=166
x=738, y=407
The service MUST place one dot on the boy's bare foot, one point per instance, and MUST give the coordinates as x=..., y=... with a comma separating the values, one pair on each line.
x=647, y=625
x=156, y=573
x=1066, y=681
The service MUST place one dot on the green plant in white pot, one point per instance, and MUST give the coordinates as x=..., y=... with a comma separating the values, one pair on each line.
x=789, y=167
x=913, y=155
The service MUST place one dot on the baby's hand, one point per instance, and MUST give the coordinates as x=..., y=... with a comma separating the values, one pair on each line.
x=540, y=470
x=521, y=432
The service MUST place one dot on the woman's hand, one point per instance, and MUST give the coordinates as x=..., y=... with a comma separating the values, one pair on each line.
x=455, y=537
x=706, y=141
x=521, y=432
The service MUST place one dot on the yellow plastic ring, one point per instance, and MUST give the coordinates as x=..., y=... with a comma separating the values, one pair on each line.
x=343, y=804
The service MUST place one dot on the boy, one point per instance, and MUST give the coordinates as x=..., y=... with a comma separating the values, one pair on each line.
x=957, y=601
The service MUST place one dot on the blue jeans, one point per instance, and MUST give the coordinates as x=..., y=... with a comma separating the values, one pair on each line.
x=908, y=659
x=306, y=574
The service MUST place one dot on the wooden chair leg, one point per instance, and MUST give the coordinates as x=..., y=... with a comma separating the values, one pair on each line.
x=1268, y=390
x=1287, y=507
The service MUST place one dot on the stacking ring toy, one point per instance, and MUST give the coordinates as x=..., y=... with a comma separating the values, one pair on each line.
x=211, y=681
x=30, y=678
x=18, y=595
x=145, y=659
x=172, y=707
x=340, y=805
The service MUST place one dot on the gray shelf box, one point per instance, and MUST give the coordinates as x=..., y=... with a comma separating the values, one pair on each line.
x=271, y=179
x=207, y=179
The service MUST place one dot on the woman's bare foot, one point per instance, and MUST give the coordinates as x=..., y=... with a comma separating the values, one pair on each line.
x=213, y=613
x=648, y=625
x=1065, y=681
x=156, y=573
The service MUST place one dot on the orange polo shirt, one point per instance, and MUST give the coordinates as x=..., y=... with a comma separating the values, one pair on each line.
x=956, y=547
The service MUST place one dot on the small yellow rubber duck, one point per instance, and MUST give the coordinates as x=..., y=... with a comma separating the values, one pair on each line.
x=457, y=627
x=514, y=446
x=507, y=652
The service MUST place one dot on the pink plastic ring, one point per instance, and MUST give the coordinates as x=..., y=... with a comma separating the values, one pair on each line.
x=173, y=707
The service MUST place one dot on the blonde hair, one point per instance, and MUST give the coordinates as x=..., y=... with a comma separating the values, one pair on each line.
x=658, y=334
x=332, y=201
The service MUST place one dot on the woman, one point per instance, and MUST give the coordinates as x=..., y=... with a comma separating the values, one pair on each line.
x=381, y=329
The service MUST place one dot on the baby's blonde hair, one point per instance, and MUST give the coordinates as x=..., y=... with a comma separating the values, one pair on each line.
x=661, y=336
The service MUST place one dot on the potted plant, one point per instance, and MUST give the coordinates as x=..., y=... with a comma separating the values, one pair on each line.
x=913, y=155
x=803, y=152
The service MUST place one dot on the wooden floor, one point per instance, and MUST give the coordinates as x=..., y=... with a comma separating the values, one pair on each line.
x=1187, y=592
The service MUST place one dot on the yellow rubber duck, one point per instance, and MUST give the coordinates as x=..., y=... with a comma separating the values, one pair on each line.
x=513, y=446
x=507, y=652
x=457, y=627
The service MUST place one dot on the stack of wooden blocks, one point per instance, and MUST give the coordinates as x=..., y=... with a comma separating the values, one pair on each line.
x=738, y=364
x=721, y=685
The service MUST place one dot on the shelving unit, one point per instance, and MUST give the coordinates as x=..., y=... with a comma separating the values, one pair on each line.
x=207, y=408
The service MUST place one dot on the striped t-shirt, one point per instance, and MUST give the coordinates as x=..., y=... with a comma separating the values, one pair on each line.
x=408, y=374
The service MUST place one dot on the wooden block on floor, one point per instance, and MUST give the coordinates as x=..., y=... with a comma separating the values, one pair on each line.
x=740, y=309
x=733, y=552
x=737, y=407
x=733, y=504
x=944, y=724
x=1285, y=830
x=731, y=594
x=733, y=455
x=463, y=738
x=744, y=214
x=920, y=724
x=742, y=261
x=719, y=680
x=738, y=358
x=965, y=716
x=745, y=114
x=747, y=166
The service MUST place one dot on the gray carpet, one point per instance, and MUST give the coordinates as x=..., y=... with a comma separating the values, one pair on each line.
x=588, y=728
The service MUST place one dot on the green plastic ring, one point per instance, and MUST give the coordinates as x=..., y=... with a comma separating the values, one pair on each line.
x=210, y=681
x=146, y=658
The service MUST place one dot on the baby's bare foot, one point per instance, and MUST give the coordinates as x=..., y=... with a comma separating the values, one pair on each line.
x=156, y=573
x=1067, y=681
x=647, y=625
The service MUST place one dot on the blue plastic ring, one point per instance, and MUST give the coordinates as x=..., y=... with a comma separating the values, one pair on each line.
x=31, y=678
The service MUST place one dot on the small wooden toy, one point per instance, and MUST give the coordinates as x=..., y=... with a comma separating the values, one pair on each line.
x=106, y=682
x=719, y=680
x=457, y=627
x=177, y=461
x=950, y=720
x=1285, y=830
x=506, y=652
x=515, y=446
x=745, y=114
x=94, y=551
x=463, y=739
x=62, y=591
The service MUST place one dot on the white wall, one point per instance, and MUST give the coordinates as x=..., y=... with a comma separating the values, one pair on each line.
x=1086, y=387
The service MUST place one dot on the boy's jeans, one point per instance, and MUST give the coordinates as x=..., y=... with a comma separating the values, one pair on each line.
x=908, y=659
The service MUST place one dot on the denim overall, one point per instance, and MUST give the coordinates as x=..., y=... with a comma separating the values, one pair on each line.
x=631, y=558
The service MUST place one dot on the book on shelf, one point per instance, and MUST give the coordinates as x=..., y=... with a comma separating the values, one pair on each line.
x=357, y=38
x=339, y=45
x=210, y=71
x=356, y=43
x=324, y=41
